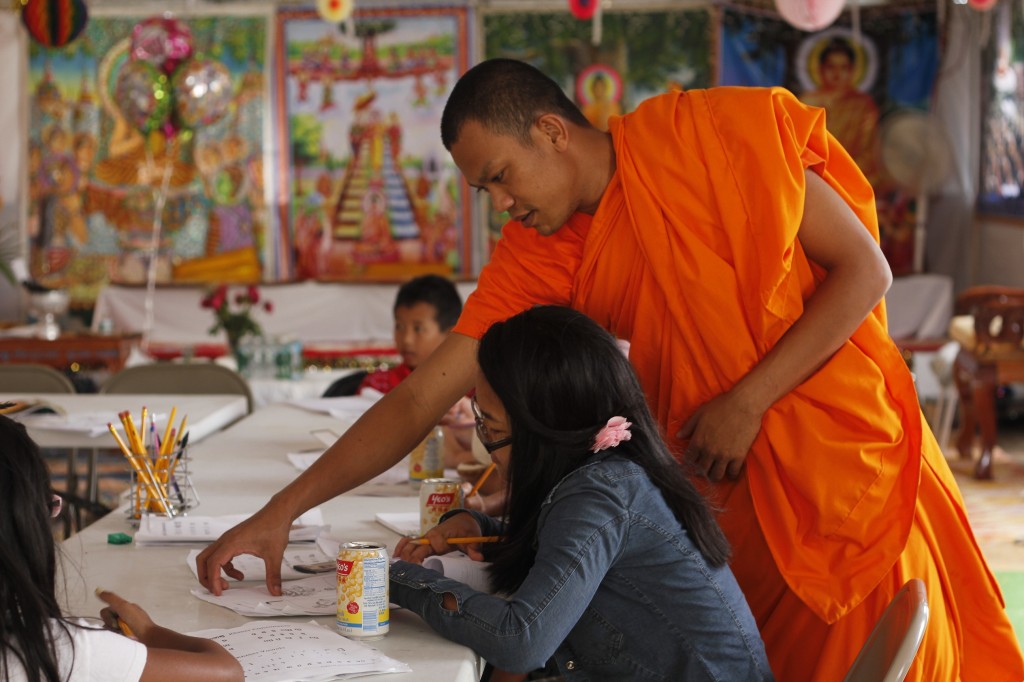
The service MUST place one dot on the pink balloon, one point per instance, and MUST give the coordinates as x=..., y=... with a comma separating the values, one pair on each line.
x=164, y=42
x=809, y=15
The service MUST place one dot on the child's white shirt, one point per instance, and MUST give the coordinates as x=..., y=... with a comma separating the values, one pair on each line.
x=99, y=655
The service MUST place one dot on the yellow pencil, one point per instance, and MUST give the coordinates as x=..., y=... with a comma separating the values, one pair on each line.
x=142, y=425
x=120, y=443
x=130, y=432
x=124, y=628
x=181, y=429
x=459, y=541
x=166, y=445
x=145, y=475
x=480, y=481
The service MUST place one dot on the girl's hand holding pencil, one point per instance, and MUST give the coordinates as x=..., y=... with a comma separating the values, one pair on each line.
x=460, y=532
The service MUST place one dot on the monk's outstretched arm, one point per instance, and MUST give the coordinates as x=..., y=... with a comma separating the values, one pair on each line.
x=377, y=441
x=722, y=431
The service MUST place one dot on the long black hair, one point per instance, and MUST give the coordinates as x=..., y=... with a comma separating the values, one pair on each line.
x=28, y=562
x=561, y=377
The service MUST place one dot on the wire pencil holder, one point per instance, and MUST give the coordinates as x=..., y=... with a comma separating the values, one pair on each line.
x=163, y=487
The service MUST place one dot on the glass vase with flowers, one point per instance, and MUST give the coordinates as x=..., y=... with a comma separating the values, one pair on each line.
x=233, y=314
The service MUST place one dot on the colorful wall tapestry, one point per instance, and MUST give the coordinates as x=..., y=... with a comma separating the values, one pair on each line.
x=863, y=81
x=640, y=54
x=1002, y=165
x=137, y=114
x=371, y=193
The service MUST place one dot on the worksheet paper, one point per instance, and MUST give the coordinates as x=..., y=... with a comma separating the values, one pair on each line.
x=253, y=568
x=160, y=530
x=313, y=596
x=458, y=566
x=273, y=651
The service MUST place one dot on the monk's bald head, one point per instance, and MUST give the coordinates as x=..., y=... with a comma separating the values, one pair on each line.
x=506, y=97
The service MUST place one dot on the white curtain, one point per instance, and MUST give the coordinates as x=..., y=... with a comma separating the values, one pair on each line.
x=14, y=149
x=949, y=247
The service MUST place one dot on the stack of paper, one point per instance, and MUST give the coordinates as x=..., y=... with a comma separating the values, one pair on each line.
x=403, y=523
x=160, y=530
x=271, y=651
x=91, y=423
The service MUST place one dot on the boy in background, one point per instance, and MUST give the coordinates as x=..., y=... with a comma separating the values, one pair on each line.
x=426, y=308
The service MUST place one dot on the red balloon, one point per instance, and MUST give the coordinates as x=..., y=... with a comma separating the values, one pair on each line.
x=583, y=9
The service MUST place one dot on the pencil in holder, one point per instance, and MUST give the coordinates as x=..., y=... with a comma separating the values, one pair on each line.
x=162, y=487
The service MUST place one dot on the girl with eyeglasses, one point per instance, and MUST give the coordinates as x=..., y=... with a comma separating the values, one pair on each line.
x=37, y=642
x=611, y=561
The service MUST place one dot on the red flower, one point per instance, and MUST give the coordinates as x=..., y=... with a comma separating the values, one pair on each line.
x=237, y=322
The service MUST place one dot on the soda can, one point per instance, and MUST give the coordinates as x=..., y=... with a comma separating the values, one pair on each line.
x=427, y=459
x=438, y=496
x=363, y=611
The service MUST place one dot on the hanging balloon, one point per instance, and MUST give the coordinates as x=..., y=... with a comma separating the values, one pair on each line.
x=54, y=23
x=334, y=11
x=143, y=96
x=982, y=5
x=583, y=9
x=809, y=15
x=164, y=42
x=202, y=92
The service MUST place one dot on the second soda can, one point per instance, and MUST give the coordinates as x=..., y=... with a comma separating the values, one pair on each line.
x=363, y=611
x=438, y=496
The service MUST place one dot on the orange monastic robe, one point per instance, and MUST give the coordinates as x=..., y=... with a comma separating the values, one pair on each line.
x=693, y=257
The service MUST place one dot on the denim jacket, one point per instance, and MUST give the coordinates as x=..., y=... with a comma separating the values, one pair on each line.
x=618, y=591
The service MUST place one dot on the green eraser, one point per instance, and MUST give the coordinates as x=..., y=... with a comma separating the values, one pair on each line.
x=118, y=539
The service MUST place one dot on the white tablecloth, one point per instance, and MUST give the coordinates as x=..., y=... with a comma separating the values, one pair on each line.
x=236, y=471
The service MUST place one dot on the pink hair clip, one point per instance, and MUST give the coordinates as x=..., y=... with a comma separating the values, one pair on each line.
x=612, y=433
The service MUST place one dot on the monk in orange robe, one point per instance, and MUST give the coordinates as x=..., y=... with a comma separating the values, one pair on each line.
x=733, y=242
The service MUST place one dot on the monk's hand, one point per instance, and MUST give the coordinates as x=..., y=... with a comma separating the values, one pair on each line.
x=720, y=433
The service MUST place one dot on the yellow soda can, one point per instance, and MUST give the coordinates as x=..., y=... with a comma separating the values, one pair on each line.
x=437, y=497
x=363, y=611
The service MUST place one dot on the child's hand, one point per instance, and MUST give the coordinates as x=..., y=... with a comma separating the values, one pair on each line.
x=123, y=616
x=458, y=526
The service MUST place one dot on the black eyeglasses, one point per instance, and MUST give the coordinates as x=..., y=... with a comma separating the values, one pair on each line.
x=483, y=434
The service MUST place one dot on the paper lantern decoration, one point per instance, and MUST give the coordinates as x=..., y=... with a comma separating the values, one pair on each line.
x=54, y=23
x=142, y=94
x=334, y=11
x=202, y=92
x=583, y=9
x=164, y=42
x=809, y=15
x=982, y=5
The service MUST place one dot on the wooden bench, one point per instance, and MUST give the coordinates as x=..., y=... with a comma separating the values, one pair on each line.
x=988, y=323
